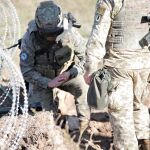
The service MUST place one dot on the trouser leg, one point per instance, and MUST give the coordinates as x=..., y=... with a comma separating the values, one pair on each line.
x=43, y=96
x=141, y=115
x=121, y=111
x=78, y=89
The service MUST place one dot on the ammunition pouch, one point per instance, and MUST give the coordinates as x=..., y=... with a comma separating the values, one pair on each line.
x=100, y=86
x=55, y=66
x=58, y=60
x=64, y=57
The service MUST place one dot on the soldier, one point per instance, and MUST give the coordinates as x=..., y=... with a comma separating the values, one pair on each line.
x=50, y=44
x=114, y=44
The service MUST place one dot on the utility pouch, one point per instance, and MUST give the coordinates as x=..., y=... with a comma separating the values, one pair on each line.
x=63, y=55
x=97, y=96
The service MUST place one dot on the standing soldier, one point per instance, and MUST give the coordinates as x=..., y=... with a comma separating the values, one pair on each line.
x=114, y=42
x=50, y=43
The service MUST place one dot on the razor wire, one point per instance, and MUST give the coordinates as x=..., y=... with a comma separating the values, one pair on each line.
x=9, y=127
x=12, y=131
x=9, y=25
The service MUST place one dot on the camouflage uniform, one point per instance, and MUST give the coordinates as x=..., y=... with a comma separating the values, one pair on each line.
x=114, y=42
x=40, y=63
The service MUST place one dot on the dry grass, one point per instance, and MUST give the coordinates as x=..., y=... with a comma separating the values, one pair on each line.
x=83, y=10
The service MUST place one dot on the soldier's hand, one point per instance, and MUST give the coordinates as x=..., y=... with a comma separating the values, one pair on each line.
x=64, y=76
x=60, y=79
x=55, y=82
x=87, y=78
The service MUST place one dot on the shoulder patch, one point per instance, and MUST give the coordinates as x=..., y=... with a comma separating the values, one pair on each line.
x=97, y=18
x=100, y=10
x=24, y=56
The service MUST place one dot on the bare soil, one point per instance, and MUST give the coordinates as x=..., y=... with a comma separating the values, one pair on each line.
x=43, y=134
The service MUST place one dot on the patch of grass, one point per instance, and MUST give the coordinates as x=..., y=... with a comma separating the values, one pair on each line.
x=83, y=10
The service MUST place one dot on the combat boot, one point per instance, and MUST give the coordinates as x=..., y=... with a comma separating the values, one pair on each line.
x=35, y=107
x=145, y=144
x=73, y=127
x=77, y=134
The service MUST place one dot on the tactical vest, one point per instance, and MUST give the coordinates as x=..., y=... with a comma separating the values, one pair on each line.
x=51, y=59
x=126, y=29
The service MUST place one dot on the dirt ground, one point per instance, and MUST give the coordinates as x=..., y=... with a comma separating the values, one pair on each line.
x=43, y=134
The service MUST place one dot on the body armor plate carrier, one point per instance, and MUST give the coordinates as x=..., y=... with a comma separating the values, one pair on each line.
x=127, y=30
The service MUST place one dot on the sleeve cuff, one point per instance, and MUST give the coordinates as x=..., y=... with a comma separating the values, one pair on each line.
x=73, y=72
x=44, y=83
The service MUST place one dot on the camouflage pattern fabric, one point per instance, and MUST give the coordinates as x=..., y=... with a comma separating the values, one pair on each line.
x=129, y=117
x=129, y=69
x=119, y=58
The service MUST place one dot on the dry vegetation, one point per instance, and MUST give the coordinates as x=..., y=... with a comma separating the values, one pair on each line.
x=83, y=10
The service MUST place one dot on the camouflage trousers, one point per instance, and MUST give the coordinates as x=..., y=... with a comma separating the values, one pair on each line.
x=128, y=116
x=75, y=86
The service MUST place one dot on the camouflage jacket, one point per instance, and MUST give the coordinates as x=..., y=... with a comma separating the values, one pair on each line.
x=98, y=51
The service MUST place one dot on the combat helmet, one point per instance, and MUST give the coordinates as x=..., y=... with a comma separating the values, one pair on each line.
x=49, y=18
